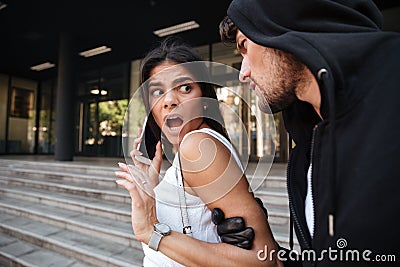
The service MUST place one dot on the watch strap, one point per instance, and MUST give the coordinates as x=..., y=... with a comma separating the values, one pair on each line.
x=155, y=240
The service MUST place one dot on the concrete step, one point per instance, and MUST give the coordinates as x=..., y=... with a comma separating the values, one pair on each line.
x=274, y=196
x=15, y=252
x=81, y=189
x=105, y=181
x=266, y=182
x=95, y=226
x=90, y=250
x=66, y=167
x=87, y=205
x=277, y=215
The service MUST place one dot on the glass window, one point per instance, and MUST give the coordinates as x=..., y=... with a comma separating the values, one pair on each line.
x=22, y=118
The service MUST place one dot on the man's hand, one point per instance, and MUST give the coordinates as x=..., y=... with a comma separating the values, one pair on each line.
x=233, y=230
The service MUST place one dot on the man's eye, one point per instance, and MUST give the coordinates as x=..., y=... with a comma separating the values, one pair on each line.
x=185, y=88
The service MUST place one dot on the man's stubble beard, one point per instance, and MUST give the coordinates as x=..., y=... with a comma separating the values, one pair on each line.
x=278, y=91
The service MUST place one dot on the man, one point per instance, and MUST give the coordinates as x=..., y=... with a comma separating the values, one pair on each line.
x=336, y=76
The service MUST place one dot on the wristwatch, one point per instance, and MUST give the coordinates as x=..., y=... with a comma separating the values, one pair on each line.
x=160, y=230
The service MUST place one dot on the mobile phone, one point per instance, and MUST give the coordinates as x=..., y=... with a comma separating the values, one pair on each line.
x=148, y=144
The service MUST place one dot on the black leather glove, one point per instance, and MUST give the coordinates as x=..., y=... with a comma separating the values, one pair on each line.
x=233, y=230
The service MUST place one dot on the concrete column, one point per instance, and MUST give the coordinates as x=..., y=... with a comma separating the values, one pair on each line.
x=65, y=103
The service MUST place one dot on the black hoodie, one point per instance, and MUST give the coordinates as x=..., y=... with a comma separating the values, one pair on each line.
x=355, y=149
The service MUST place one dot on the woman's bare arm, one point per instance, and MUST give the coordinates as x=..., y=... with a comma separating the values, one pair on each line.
x=212, y=173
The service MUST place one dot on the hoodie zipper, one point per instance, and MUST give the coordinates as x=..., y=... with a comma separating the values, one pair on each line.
x=312, y=164
x=302, y=238
x=290, y=170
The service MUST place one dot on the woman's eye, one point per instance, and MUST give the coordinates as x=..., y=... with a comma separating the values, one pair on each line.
x=157, y=92
x=185, y=88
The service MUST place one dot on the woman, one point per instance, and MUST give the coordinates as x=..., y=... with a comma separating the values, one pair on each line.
x=206, y=172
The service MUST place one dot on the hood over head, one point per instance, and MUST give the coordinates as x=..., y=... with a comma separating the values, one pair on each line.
x=262, y=19
x=315, y=32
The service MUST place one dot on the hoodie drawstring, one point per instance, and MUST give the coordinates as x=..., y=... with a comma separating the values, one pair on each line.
x=322, y=75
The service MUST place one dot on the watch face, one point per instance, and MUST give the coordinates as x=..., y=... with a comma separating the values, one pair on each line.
x=162, y=228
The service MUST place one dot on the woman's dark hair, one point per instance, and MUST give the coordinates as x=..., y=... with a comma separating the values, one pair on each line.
x=175, y=50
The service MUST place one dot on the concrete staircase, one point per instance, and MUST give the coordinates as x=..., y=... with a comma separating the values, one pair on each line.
x=54, y=214
x=70, y=214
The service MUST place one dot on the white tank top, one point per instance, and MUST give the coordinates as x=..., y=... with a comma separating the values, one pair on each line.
x=168, y=209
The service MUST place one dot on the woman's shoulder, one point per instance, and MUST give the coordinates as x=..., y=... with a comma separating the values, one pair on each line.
x=202, y=142
x=209, y=167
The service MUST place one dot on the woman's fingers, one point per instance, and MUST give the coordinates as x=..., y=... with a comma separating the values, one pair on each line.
x=128, y=185
x=134, y=192
x=143, y=213
x=125, y=175
x=123, y=166
x=143, y=180
x=131, y=183
x=134, y=173
x=138, y=175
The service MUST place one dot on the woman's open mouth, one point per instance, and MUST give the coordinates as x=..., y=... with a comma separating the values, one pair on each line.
x=174, y=123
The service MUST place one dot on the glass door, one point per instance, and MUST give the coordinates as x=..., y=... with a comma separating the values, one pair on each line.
x=100, y=127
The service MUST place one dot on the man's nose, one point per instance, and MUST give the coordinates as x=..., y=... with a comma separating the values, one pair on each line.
x=170, y=99
x=244, y=73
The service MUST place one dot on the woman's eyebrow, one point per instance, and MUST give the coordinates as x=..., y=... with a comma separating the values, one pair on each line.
x=154, y=83
x=182, y=80
x=178, y=81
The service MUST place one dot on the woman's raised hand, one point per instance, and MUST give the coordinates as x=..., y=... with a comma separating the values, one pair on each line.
x=144, y=175
x=140, y=181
